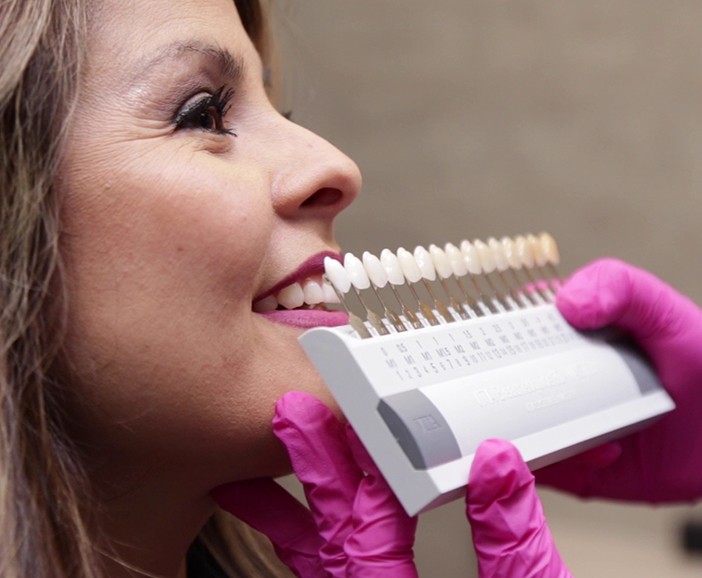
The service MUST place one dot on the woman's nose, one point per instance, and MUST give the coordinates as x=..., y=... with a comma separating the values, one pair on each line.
x=314, y=178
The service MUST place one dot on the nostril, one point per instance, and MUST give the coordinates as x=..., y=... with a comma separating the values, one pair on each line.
x=323, y=198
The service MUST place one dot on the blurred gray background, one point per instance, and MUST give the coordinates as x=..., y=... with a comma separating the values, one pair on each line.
x=478, y=118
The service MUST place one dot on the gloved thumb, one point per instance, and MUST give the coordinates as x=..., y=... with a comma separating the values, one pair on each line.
x=611, y=292
x=510, y=533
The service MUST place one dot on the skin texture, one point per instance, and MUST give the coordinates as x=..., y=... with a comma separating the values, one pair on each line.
x=170, y=233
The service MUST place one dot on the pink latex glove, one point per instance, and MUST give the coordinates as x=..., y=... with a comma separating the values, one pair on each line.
x=662, y=463
x=355, y=526
x=510, y=534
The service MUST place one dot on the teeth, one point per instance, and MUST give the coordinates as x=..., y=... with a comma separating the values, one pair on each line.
x=291, y=297
x=311, y=291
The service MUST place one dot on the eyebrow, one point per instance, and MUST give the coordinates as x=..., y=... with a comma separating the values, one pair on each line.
x=229, y=65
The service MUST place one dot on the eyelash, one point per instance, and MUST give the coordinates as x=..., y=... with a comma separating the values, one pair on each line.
x=192, y=115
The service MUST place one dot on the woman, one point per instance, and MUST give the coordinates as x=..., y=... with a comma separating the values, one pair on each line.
x=156, y=209
x=163, y=229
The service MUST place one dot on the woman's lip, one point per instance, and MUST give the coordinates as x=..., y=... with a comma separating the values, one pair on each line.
x=312, y=266
x=307, y=318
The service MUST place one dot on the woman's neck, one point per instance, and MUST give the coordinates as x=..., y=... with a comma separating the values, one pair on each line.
x=149, y=520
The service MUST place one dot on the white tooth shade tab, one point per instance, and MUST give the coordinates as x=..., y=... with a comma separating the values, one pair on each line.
x=337, y=275
x=510, y=252
x=312, y=290
x=425, y=263
x=357, y=272
x=498, y=254
x=441, y=262
x=539, y=257
x=330, y=295
x=392, y=267
x=471, y=258
x=549, y=248
x=455, y=259
x=524, y=252
x=487, y=261
x=375, y=270
x=291, y=296
x=475, y=258
x=409, y=266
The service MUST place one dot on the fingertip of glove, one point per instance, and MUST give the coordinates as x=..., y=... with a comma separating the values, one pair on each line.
x=299, y=415
x=298, y=404
x=498, y=470
x=593, y=296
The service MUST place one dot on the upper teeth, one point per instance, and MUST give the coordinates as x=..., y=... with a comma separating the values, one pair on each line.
x=310, y=291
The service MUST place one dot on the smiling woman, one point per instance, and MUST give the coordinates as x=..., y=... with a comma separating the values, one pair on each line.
x=153, y=202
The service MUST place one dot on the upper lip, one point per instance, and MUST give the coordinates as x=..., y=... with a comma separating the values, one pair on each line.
x=312, y=266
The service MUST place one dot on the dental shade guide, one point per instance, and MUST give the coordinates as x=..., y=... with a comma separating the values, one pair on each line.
x=422, y=389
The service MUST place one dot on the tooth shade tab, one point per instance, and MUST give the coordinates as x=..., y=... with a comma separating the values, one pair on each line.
x=392, y=267
x=357, y=272
x=471, y=258
x=524, y=251
x=425, y=263
x=409, y=266
x=549, y=248
x=441, y=262
x=498, y=254
x=487, y=260
x=489, y=265
x=535, y=245
x=329, y=294
x=509, y=250
x=376, y=272
x=337, y=275
x=455, y=258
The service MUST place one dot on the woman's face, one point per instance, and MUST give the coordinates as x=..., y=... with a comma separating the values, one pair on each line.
x=187, y=200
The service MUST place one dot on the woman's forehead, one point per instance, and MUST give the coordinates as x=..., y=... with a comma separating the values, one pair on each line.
x=130, y=40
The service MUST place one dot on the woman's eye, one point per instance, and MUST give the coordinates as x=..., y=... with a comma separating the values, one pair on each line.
x=207, y=112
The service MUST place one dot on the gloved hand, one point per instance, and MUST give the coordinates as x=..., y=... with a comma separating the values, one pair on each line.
x=510, y=534
x=662, y=463
x=355, y=526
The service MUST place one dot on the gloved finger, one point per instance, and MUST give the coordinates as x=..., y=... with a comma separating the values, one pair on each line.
x=271, y=510
x=382, y=540
x=611, y=292
x=316, y=443
x=510, y=533
x=578, y=473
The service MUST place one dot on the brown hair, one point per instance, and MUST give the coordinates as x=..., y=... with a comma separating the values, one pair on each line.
x=43, y=493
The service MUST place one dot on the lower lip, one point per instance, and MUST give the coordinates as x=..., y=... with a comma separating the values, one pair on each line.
x=307, y=318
